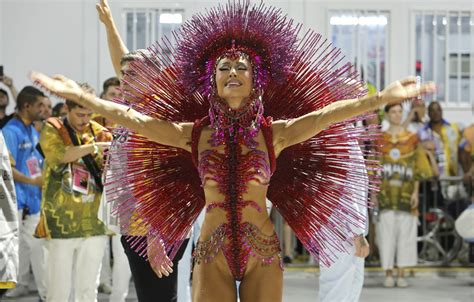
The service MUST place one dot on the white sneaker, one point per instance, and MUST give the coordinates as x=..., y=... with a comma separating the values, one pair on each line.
x=389, y=282
x=402, y=282
x=16, y=292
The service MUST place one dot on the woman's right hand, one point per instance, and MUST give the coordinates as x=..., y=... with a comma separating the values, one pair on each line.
x=58, y=85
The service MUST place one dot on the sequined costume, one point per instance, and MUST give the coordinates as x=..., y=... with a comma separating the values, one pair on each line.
x=292, y=77
x=231, y=171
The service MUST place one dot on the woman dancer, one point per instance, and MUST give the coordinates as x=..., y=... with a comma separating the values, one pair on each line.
x=223, y=63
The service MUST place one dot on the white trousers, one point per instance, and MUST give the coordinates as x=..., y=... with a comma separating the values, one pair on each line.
x=343, y=280
x=32, y=251
x=85, y=254
x=106, y=269
x=121, y=273
x=184, y=274
x=396, y=237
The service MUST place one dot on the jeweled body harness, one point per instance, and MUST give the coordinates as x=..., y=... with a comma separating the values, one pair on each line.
x=232, y=170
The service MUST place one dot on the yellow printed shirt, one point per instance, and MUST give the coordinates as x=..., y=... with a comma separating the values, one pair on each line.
x=468, y=140
x=71, y=199
x=404, y=162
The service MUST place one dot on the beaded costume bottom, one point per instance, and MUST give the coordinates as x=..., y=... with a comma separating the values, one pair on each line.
x=252, y=243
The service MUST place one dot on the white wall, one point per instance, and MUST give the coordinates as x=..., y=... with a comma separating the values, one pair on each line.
x=65, y=36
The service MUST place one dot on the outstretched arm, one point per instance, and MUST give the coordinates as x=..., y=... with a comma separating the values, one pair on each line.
x=117, y=48
x=163, y=132
x=295, y=131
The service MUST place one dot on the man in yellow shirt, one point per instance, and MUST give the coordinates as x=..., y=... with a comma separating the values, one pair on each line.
x=73, y=149
x=442, y=139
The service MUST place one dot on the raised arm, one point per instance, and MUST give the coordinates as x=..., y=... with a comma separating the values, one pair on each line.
x=163, y=132
x=294, y=131
x=9, y=83
x=117, y=48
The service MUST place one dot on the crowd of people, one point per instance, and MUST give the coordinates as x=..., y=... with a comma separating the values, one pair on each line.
x=426, y=143
x=67, y=231
x=418, y=148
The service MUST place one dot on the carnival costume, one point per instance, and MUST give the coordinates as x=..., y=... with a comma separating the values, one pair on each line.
x=160, y=187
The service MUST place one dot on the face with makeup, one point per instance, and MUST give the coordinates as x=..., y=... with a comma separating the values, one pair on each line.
x=234, y=81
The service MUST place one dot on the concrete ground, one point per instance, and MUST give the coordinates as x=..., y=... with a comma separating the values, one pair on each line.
x=301, y=285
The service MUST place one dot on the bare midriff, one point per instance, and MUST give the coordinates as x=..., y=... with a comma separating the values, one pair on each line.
x=235, y=181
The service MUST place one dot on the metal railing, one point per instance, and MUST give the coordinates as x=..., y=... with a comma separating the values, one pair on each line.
x=442, y=200
x=439, y=243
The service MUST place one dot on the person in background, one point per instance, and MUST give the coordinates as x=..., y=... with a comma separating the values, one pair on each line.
x=287, y=244
x=113, y=280
x=442, y=140
x=72, y=190
x=8, y=223
x=174, y=287
x=404, y=163
x=467, y=159
x=21, y=139
x=110, y=92
x=47, y=113
x=416, y=116
x=59, y=110
x=343, y=280
x=4, y=117
x=8, y=82
x=48, y=109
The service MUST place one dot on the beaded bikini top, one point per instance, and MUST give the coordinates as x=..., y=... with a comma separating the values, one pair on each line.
x=232, y=170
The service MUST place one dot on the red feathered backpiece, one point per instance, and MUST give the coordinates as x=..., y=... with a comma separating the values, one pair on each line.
x=316, y=183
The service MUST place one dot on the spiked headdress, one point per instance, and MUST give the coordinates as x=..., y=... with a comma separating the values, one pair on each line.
x=262, y=33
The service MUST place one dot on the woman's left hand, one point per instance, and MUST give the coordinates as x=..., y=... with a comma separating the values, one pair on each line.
x=159, y=260
x=405, y=89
